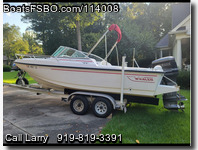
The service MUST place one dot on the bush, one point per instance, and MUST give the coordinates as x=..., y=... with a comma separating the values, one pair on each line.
x=183, y=79
x=6, y=68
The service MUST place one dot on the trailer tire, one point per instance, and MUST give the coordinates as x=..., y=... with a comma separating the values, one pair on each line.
x=19, y=82
x=102, y=107
x=79, y=105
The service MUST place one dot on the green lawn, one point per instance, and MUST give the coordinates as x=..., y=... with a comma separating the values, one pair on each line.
x=9, y=77
x=152, y=124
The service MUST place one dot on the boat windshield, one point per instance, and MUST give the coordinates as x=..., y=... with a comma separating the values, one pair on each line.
x=68, y=52
x=58, y=51
x=97, y=58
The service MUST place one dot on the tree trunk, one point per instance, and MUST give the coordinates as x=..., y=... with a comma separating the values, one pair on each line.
x=78, y=35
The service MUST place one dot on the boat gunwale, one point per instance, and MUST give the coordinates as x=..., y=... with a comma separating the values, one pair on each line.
x=108, y=69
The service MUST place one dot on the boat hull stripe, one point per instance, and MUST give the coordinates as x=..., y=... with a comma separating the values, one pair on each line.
x=139, y=71
x=102, y=72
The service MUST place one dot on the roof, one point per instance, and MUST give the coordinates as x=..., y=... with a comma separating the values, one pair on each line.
x=179, y=12
x=6, y=58
x=182, y=26
x=164, y=42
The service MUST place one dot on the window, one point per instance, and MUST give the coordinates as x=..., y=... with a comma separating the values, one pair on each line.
x=59, y=50
x=78, y=54
x=67, y=53
x=97, y=58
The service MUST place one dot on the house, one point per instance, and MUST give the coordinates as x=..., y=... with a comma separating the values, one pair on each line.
x=5, y=60
x=177, y=41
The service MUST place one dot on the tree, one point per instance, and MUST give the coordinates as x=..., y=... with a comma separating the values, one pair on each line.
x=37, y=49
x=82, y=19
x=13, y=42
x=20, y=46
x=51, y=30
x=155, y=17
x=30, y=38
x=34, y=47
x=61, y=26
x=142, y=26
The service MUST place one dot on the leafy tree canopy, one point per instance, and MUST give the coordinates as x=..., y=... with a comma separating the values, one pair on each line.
x=142, y=26
x=14, y=43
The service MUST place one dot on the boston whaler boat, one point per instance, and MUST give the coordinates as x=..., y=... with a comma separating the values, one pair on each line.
x=88, y=77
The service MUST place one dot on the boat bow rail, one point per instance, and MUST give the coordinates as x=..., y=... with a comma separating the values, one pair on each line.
x=21, y=56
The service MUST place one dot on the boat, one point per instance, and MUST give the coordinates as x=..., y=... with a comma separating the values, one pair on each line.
x=68, y=69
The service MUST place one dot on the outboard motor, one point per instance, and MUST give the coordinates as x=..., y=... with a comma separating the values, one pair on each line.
x=169, y=66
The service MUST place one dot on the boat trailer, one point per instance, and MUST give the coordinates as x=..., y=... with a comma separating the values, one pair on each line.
x=103, y=104
x=77, y=107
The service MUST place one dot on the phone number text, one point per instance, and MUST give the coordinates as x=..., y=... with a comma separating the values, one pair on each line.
x=92, y=138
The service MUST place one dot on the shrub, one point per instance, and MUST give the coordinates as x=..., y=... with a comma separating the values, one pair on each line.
x=6, y=68
x=183, y=79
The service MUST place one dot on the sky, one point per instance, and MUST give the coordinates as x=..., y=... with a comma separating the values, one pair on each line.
x=15, y=18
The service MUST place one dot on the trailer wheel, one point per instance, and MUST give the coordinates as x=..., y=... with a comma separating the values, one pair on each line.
x=79, y=105
x=102, y=107
x=20, y=82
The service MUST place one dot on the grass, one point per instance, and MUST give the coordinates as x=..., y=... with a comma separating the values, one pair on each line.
x=10, y=77
x=146, y=123
x=152, y=124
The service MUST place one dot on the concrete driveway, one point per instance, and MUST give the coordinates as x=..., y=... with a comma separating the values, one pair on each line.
x=25, y=112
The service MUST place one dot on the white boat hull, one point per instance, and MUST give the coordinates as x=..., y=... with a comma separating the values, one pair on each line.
x=140, y=83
